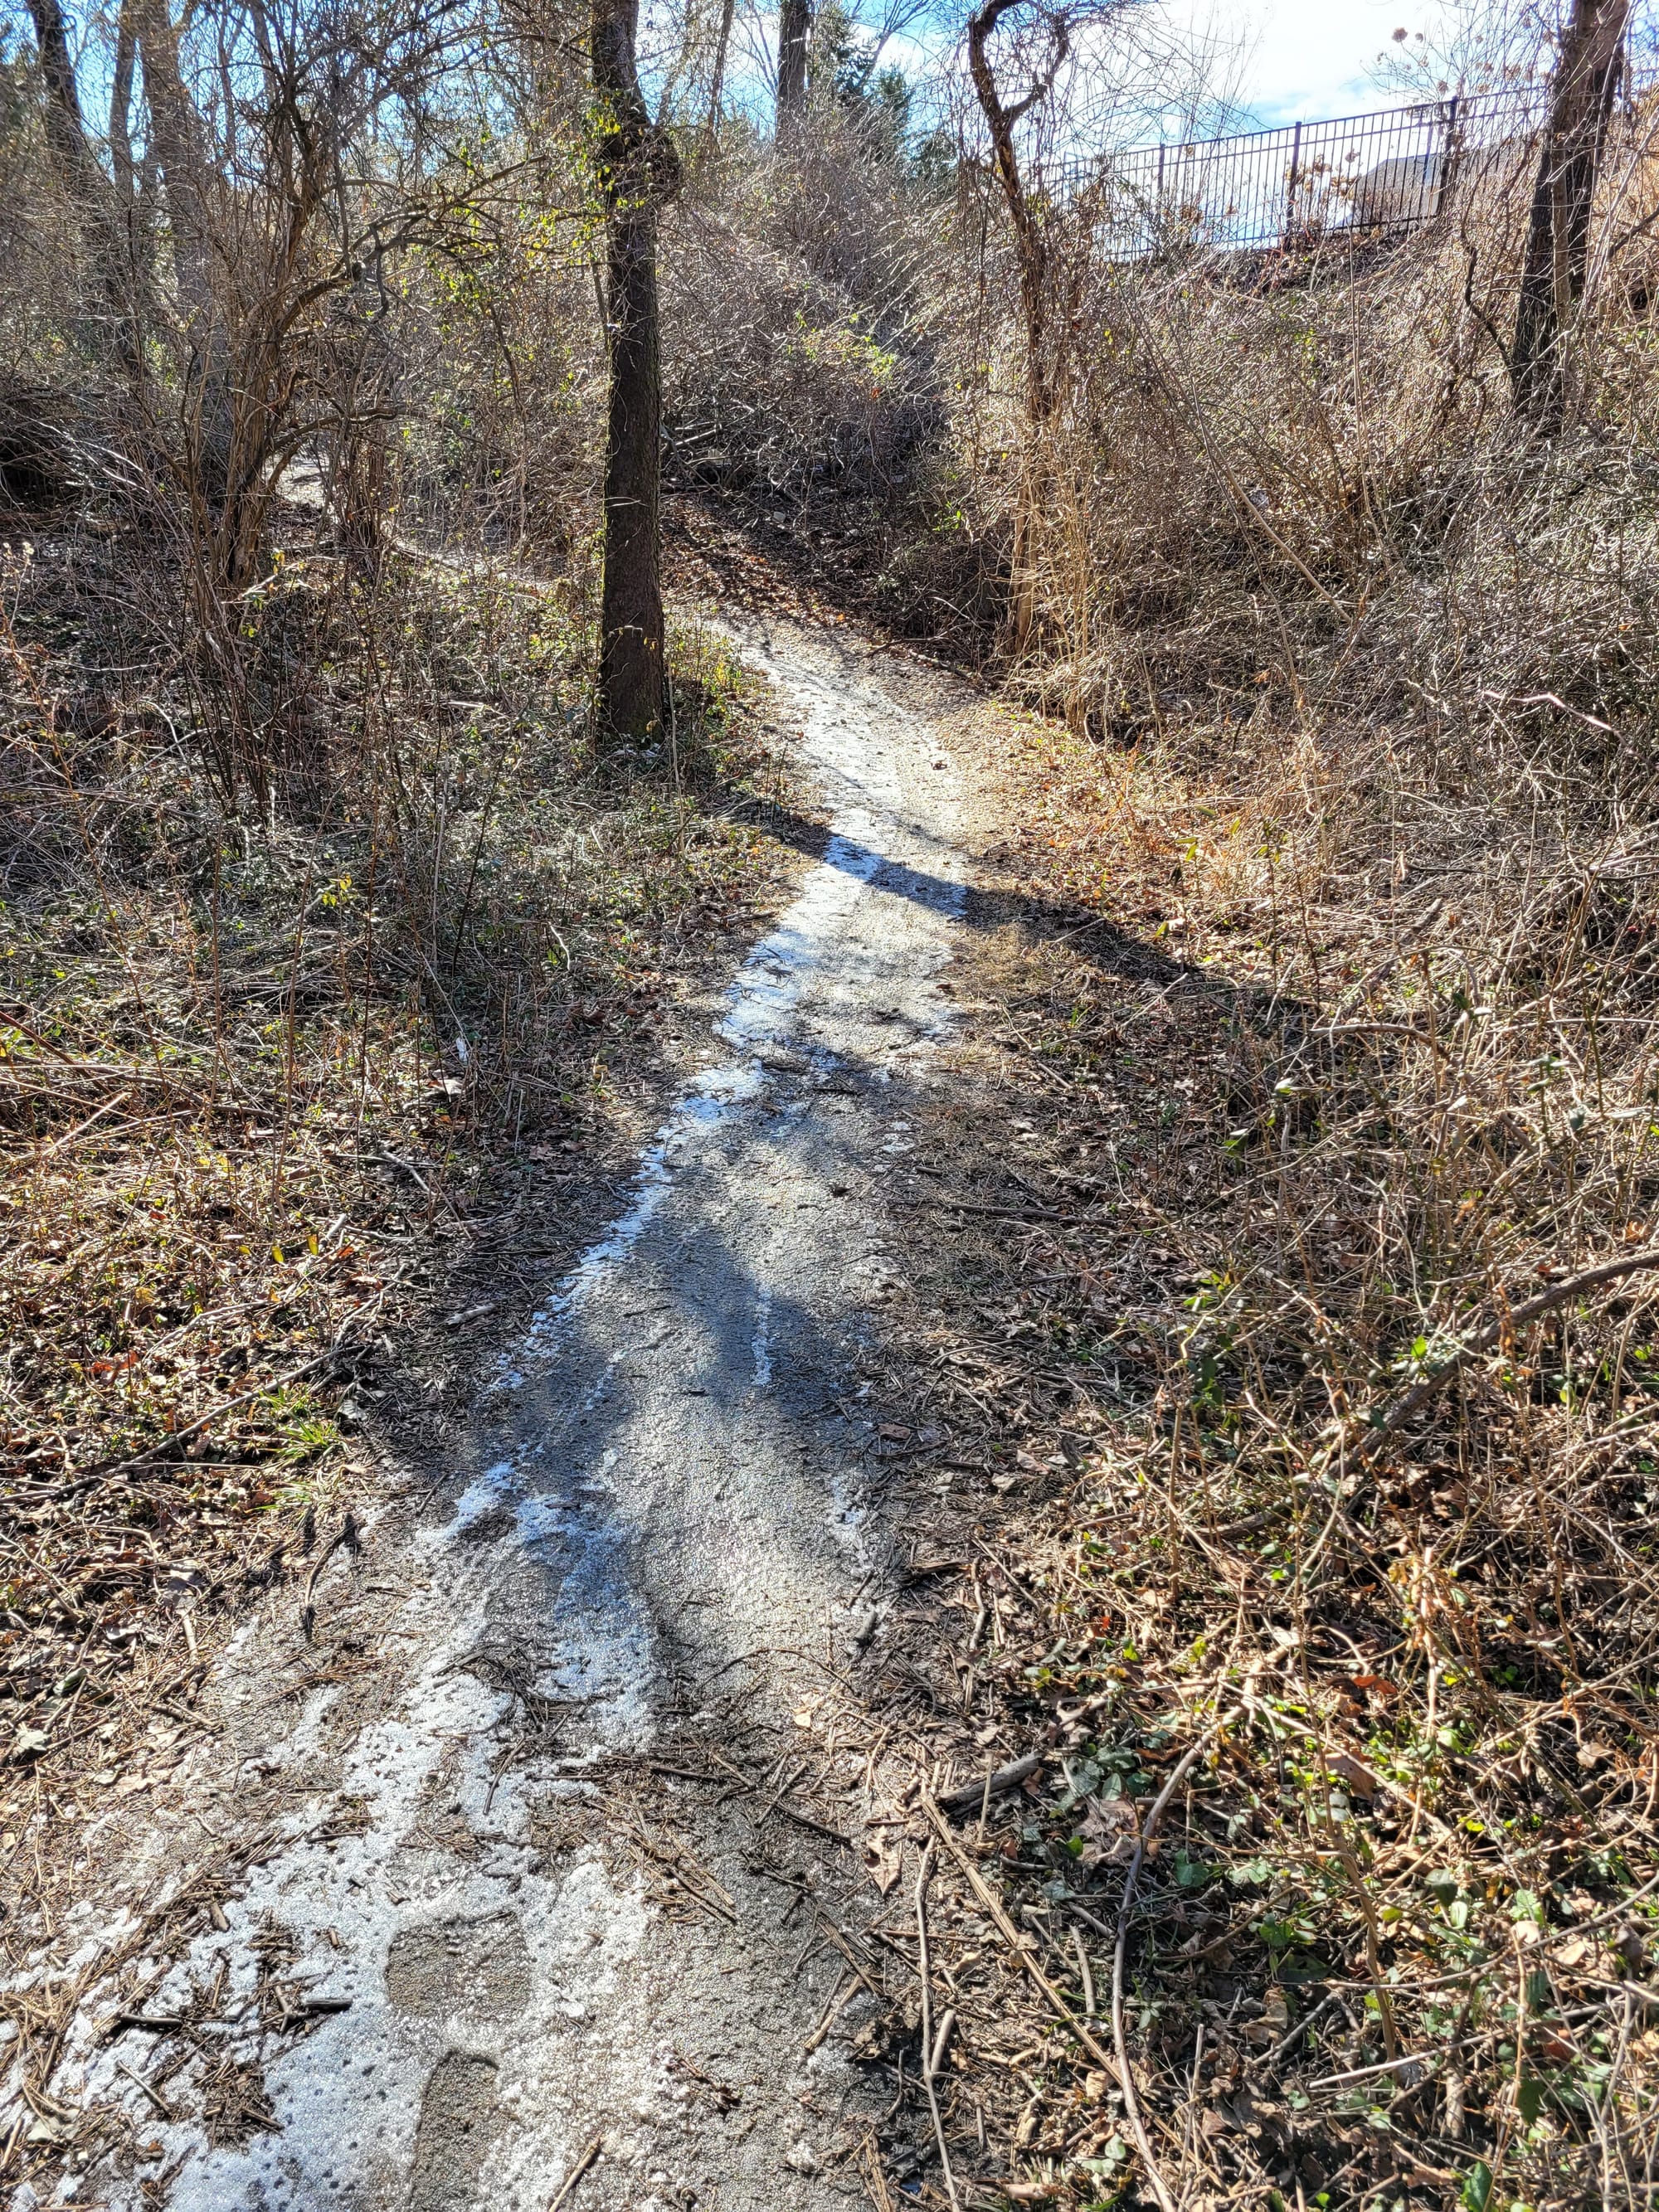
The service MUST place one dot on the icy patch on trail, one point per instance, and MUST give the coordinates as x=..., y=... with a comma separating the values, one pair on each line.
x=764, y=999
x=605, y=1648
x=713, y=1100
x=348, y=2094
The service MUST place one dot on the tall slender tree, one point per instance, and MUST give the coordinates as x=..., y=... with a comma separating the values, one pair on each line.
x=1043, y=45
x=66, y=130
x=1552, y=274
x=794, y=40
x=639, y=171
x=717, y=81
x=101, y=207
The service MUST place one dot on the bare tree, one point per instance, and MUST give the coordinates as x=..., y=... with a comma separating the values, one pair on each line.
x=1037, y=39
x=66, y=130
x=100, y=203
x=1558, y=238
x=639, y=172
x=1002, y=119
x=178, y=141
x=717, y=82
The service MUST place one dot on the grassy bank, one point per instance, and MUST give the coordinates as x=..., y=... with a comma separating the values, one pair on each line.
x=1261, y=1459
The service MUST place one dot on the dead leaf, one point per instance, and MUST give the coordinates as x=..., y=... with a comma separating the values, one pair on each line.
x=1378, y=1684
x=884, y=1862
x=1358, y=1778
x=1110, y=1817
x=1109, y=1827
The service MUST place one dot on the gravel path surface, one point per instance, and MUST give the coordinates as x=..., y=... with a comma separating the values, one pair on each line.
x=654, y=1527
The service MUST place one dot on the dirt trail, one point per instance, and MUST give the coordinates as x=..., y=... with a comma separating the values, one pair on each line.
x=655, y=1523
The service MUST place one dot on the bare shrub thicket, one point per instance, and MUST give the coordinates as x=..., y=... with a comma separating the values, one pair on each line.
x=816, y=378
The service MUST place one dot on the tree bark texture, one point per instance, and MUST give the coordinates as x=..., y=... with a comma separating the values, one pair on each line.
x=66, y=130
x=794, y=39
x=175, y=130
x=639, y=172
x=631, y=633
x=120, y=105
x=717, y=86
x=1558, y=234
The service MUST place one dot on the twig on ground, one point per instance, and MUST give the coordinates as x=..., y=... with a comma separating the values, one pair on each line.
x=585, y=2157
x=969, y=1796
x=931, y=2052
x=1390, y=1423
x=345, y=1536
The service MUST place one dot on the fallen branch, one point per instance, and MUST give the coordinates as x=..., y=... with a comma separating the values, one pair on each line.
x=585, y=2157
x=932, y=2049
x=1557, y=1295
x=970, y=1795
x=347, y=1534
x=1425, y=2058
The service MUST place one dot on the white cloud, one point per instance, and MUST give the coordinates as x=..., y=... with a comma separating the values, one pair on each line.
x=1306, y=58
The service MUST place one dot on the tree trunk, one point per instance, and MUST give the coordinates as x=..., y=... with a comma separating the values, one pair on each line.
x=639, y=171
x=120, y=107
x=631, y=610
x=176, y=136
x=717, y=87
x=1558, y=237
x=1031, y=246
x=175, y=129
x=66, y=130
x=100, y=208
x=794, y=37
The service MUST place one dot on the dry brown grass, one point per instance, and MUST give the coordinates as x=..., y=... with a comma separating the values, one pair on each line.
x=1324, y=1046
x=1345, y=1068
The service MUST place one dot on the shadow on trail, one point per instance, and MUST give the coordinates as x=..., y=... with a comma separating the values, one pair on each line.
x=670, y=1468
x=1096, y=941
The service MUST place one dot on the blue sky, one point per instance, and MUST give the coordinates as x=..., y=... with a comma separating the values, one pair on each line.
x=1282, y=61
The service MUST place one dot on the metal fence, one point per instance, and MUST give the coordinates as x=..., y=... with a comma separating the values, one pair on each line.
x=1307, y=181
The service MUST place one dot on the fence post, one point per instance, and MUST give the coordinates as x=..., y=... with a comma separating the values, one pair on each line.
x=1290, y=187
x=1448, y=159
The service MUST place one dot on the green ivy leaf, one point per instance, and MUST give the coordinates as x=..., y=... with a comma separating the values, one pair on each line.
x=1477, y=2187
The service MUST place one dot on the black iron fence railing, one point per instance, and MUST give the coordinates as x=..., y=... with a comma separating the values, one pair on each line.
x=1393, y=171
